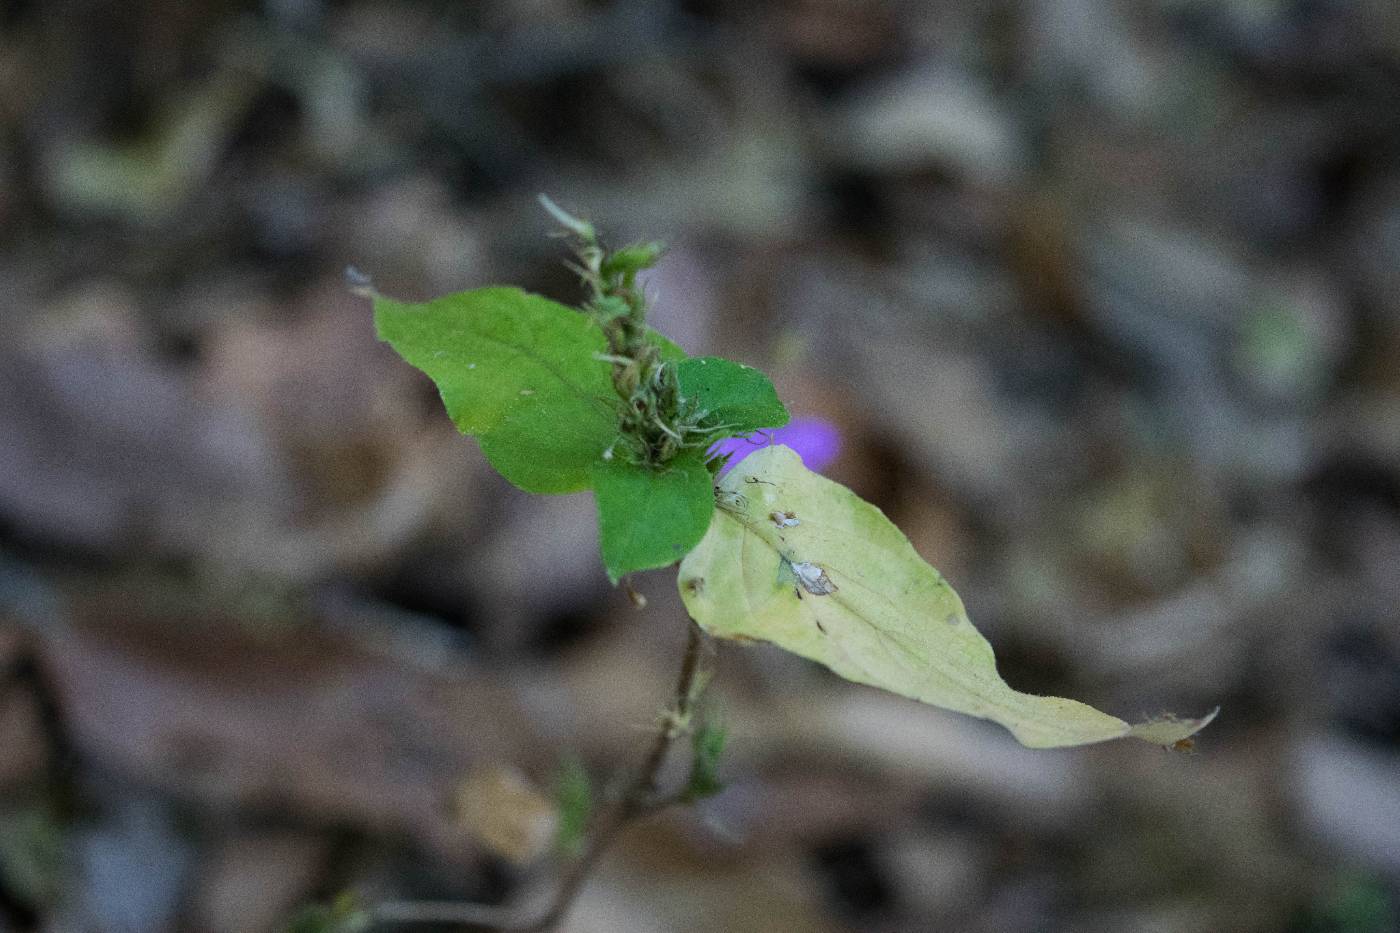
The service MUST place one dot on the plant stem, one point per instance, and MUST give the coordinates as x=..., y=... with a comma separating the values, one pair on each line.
x=638, y=799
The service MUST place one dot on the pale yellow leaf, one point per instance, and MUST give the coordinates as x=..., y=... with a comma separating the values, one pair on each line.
x=795, y=559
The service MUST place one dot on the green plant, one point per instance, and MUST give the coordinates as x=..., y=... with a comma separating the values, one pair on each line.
x=564, y=400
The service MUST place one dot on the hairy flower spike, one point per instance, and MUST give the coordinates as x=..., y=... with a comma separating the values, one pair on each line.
x=649, y=417
x=655, y=422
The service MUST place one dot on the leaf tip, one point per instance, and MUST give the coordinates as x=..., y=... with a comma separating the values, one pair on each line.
x=1171, y=731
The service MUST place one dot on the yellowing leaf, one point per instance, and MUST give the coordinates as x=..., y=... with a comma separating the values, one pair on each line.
x=800, y=561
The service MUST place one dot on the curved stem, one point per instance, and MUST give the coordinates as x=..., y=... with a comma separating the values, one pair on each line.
x=637, y=800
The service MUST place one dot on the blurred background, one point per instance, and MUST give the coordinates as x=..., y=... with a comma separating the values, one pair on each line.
x=1103, y=296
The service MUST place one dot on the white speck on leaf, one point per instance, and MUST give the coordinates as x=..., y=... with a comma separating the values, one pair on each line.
x=813, y=578
x=784, y=519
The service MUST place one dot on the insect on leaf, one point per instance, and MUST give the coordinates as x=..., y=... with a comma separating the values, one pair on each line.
x=844, y=587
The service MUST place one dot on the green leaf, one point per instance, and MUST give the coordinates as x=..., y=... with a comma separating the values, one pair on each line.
x=736, y=395
x=33, y=854
x=344, y=915
x=798, y=560
x=630, y=260
x=651, y=517
x=1356, y=903
x=707, y=747
x=541, y=449
x=484, y=348
x=518, y=370
x=671, y=351
x=573, y=798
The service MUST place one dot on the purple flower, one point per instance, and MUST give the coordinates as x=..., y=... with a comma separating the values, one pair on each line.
x=816, y=441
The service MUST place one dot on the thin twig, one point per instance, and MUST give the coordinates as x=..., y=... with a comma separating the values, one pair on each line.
x=637, y=800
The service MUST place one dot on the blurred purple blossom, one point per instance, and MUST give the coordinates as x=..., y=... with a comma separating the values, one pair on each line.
x=816, y=441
